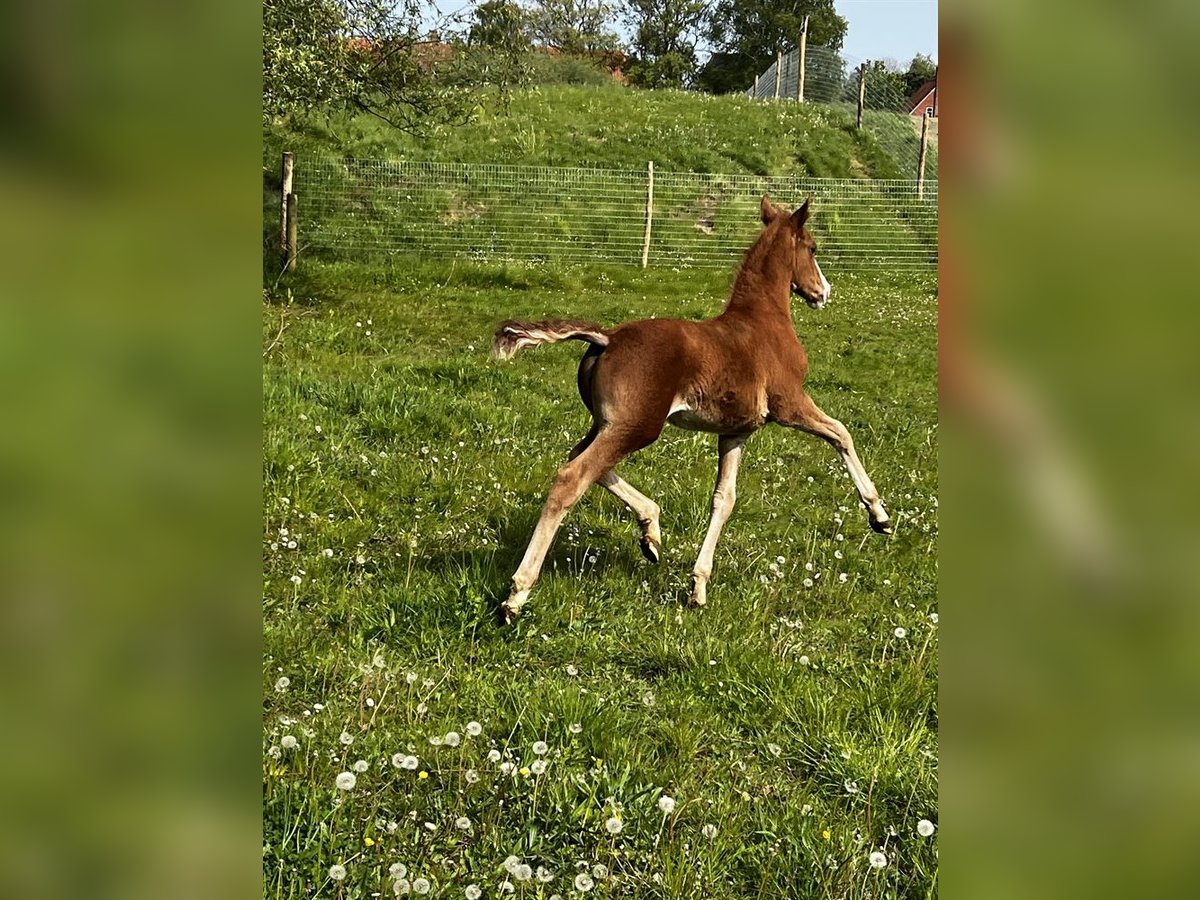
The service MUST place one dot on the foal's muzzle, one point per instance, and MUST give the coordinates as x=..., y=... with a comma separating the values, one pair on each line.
x=816, y=301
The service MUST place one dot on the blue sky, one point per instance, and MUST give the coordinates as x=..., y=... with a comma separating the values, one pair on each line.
x=889, y=29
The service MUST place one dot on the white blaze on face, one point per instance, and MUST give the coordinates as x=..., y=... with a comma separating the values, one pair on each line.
x=826, y=287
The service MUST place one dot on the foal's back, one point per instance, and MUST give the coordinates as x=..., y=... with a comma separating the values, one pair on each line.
x=712, y=375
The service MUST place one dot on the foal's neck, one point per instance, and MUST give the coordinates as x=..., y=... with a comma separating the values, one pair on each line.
x=763, y=286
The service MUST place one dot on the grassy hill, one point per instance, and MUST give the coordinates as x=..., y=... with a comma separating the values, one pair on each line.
x=741, y=148
x=619, y=128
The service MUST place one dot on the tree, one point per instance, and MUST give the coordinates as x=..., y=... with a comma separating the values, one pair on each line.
x=665, y=33
x=500, y=25
x=577, y=27
x=747, y=34
x=367, y=55
x=920, y=70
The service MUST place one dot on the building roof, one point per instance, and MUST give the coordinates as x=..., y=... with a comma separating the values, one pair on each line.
x=921, y=93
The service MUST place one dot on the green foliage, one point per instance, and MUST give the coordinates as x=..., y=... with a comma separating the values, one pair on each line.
x=321, y=56
x=612, y=127
x=500, y=25
x=921, y=69
x=664, y=33
x=574, y=26
x=788, y=714
x=748, y=33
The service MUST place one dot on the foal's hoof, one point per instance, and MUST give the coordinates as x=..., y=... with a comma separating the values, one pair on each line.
x=883, y=526
x=511, y=608
x=652, y=550
x=699, y=593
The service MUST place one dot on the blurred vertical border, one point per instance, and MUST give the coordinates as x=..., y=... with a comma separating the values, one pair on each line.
x=1069, y=374
x=130, y=241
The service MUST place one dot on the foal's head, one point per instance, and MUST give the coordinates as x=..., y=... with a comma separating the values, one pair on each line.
x=807, y=278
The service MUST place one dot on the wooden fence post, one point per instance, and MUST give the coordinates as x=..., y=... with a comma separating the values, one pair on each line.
x=778, y=71
x=921, y=157
x=292, y=228
x=754, y=96
x=862, y=93
x=803, y=48
x=284, y=190
x=649, y=212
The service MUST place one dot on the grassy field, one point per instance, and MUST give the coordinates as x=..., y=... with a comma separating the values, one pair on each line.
x=617, y=128
x=793, y=721
x=349, y=209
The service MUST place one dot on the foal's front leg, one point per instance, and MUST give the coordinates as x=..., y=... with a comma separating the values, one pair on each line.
x=724, y=495
x=807, y=416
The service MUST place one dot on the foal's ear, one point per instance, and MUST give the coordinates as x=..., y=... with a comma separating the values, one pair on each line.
x=769, y=212
x=800, y=216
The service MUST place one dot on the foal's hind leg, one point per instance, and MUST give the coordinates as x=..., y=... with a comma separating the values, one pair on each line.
x=598, y=455
x=807, y=416
x=645, y=509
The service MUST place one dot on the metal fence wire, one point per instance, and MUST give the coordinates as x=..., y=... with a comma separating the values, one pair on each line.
x=831, y=80
x=351, y=207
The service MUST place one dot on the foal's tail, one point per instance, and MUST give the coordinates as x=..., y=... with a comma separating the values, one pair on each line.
x=513, y=337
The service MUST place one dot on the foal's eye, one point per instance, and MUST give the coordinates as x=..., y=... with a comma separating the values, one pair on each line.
x=814, y=250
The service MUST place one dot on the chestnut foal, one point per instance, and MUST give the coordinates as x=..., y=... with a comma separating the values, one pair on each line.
x=730, y=375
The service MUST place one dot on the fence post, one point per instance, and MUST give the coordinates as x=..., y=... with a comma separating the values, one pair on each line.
x=754, y=96
x=803, y=48
x=921, y=157
x=862, y=92
x=284, y=190
x=649, y=212
x=292, y=227
x=778, y=71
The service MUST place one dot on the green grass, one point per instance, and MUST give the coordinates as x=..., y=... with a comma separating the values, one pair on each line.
x=616, y=128
x=790, y=717
x=488, y=215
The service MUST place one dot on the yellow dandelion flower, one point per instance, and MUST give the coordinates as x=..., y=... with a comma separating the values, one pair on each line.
x=826, y=834
x=525, y=771
x=368, y=842
x=422, y=774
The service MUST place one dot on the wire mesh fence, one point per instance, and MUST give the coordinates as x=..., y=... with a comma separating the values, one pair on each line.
x=832, y=79
x=352, y=207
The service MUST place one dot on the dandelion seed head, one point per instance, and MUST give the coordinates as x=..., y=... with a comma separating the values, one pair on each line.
x=337, y=872
x=709, y=831
x=288, y=742
x=900, y=632
x=541, y=748
x=584, y=882
x=925, y=828
x=346, y=781
x=398, y=870
x=877, y=859
x=346, y=738
x=522, y=872
x=420, y=885
x=613, y=825
x=451, y=739
x=474, y=729
x=666, y=804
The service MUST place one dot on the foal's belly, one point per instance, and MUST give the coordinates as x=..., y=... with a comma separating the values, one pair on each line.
x=727, y=414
